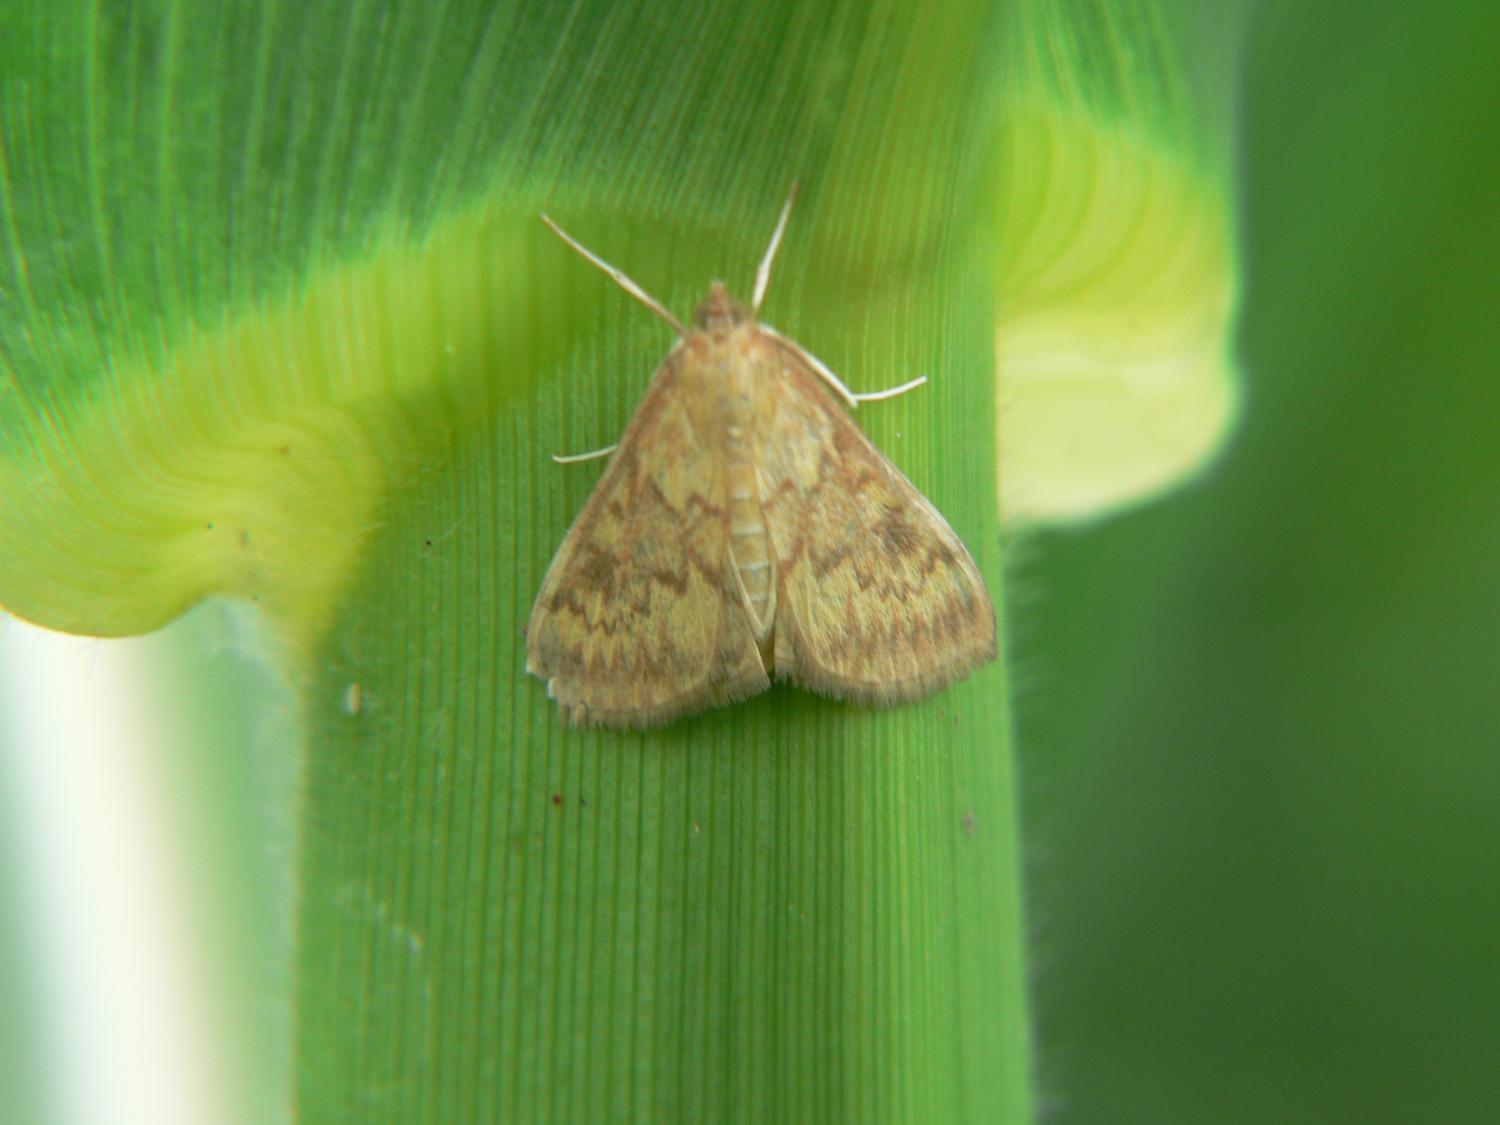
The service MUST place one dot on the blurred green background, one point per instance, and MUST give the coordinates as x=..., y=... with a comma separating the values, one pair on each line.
x=1260, y=721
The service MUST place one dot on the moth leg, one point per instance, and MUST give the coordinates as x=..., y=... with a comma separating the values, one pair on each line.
x=591, y=455
x=891, y=392
x=824, y=372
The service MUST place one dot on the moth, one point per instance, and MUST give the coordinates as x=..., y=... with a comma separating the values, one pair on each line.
x=745, y=528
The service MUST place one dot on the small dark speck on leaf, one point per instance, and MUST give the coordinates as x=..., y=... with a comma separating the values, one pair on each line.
x=286, y=450
x=557, y=799
x=209, y=526
x=968, y=823
x=427, y=542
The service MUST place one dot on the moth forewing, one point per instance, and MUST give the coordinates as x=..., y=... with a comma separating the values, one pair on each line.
x=879, y=600
x=640, y=617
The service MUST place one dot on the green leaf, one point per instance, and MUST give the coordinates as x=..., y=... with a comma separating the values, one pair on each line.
x=1118, y=287
x=280, y=324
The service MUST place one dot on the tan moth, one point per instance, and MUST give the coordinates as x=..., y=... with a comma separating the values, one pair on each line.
x=745, y=528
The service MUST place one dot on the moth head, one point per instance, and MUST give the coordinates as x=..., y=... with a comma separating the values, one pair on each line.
x=719, y=311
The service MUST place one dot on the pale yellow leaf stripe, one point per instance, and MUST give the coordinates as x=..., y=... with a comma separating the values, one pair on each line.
x=1116, y=303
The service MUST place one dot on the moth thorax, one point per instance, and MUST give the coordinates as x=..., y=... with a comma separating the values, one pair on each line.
x=719, y=311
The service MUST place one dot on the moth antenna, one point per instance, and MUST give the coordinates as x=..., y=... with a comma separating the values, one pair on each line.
x=763, y=272
x=892, y=392
x=591, y=455
x=621, y=279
